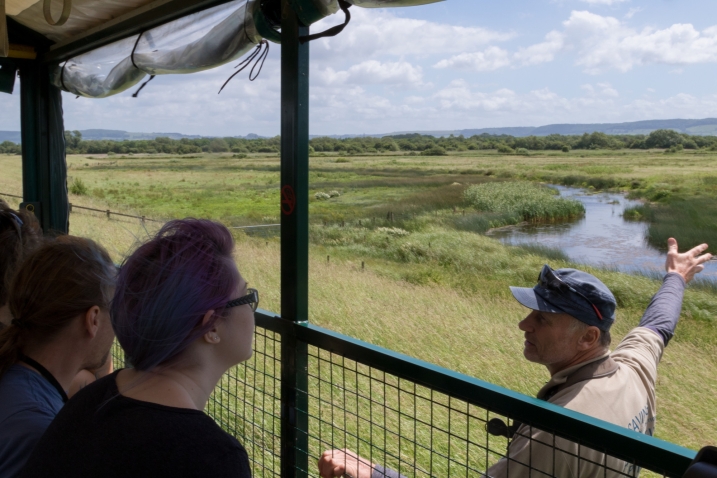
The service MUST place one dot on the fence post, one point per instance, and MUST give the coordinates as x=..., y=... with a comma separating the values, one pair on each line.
x=294, y=241
x=108, y=214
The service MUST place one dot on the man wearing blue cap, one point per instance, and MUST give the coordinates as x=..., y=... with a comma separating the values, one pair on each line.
x=568, y=331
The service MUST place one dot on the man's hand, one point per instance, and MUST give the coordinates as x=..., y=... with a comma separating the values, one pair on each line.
x=344, y=463
x=688, y=263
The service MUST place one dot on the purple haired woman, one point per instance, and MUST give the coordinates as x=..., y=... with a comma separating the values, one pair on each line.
x=183, y=315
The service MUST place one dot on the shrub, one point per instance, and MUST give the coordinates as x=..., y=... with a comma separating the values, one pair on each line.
x=522, y=152
x=565, y=149
x=675, y=149
x=342, y=160
x=434, y=151
x=78, y=187
x=505, y=149
x=321, y=196
x=334, y=194
x=239, y=155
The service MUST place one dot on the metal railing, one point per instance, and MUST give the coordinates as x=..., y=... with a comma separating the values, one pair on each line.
x=409, y=415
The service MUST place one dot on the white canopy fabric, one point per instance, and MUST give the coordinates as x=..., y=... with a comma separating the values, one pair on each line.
x=196, y=42
x=193, y=43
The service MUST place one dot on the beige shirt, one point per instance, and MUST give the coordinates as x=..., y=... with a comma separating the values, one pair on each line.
x=625, y=397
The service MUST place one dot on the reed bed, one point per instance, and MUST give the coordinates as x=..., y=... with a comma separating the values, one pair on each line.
x=522, y=201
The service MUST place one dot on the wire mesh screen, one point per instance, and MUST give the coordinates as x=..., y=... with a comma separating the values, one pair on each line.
x=247, y=404
x=399, y=424
x=421, y=432
x=118, y=360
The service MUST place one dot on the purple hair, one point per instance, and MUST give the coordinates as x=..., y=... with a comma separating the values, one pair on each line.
x=167, y=285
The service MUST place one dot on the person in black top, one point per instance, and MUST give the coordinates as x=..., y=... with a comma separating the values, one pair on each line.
x=183, y=315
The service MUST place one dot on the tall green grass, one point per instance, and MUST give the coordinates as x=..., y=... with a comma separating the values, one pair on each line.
x=692, y=221
x=522, y=200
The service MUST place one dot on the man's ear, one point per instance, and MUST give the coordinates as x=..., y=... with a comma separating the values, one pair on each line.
x=211, y=336
x=92, y=321
x=589, y=339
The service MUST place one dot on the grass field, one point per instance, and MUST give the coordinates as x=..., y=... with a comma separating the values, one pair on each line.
x=431, y=287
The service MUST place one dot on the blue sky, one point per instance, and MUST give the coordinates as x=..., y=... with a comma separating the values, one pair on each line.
x=452, y=65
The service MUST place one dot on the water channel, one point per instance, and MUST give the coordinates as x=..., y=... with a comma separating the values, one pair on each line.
x=602, y=237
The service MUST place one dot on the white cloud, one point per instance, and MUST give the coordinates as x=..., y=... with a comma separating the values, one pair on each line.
x=490, y=59
x=461, y=103
x=379, y=32
x=602, y=43
x=632, y=12
x=604, y=2
x=542, y=52
x=605, y=42
x=373, y=72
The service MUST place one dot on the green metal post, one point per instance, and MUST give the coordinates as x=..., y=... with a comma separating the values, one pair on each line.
x=294, y=240
x=44, y=170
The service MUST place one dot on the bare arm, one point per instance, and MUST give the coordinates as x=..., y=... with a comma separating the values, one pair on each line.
x=345, y=463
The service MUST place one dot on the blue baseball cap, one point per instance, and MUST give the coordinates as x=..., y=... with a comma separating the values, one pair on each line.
x=573, y=292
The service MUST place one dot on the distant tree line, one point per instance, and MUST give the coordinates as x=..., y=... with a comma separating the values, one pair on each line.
x=420, y=144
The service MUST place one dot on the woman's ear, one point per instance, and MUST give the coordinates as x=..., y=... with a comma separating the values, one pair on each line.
x=91, y=321
x=211, y=336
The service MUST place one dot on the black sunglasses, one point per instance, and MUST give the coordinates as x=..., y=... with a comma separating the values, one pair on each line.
x=549, y=280
x=251, y=298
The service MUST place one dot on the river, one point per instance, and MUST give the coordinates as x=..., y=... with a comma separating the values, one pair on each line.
x=601, y=238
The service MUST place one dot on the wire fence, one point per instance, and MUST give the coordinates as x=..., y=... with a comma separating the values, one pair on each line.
x=409, y=416
x=109, y=213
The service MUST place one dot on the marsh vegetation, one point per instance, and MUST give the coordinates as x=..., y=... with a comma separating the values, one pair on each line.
x=431, y=288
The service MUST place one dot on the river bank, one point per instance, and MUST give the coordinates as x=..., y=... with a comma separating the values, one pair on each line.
x=603, y=237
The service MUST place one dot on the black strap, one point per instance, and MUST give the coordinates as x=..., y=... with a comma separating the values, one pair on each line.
x=260, y=55
x=45, y=373
x=333, y=31
x=131, y=57
x=134, y=95
x=604, y=367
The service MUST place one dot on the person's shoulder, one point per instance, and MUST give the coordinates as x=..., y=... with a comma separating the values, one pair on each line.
x=23, y=390
x=216, y=435
x=96, y=392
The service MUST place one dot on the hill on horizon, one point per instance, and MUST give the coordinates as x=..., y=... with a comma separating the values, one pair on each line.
x=701, y=127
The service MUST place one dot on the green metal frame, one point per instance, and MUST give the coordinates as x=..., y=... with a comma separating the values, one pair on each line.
x=44, y=187
x=44, y=170
x=643, y=450
x=294, y=236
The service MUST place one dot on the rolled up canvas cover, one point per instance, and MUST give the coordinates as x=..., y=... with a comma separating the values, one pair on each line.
x=193, y=43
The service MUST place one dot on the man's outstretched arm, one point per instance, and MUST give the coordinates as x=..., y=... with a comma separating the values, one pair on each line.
x=663, y=312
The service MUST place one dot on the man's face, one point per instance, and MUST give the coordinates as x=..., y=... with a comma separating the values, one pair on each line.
x=550, y=339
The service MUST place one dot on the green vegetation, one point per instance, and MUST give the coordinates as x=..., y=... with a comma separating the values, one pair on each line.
x=691, y=219
x=78, y=187
x=427, y=145
x=409, y=219
x=522, y=201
